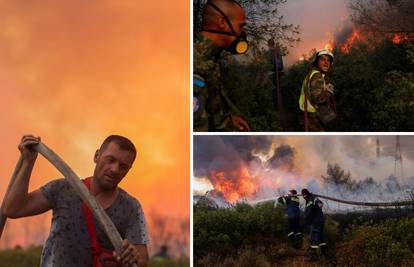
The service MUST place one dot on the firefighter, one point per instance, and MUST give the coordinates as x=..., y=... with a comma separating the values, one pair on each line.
x=222, y=29
x=315, y=218
x=293, y=212
x=320, y=108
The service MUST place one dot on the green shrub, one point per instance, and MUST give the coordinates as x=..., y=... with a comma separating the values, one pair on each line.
x=224, y=231
x=20, y=257
x=389, y=243
x=183, y=262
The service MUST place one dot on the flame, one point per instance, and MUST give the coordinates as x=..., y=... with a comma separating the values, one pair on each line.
x=396, y=39
x=399, y=38
x=235, y=184
x=329, y=46
x=240, y=184
x=346, y=46
x=358, y=36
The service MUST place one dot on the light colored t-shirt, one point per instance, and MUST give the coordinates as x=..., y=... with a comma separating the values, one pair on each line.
x=68, y=243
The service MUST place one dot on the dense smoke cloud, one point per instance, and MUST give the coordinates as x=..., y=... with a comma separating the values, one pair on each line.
x=284, y=162
x=282, y=156
x=213, y=152
x=342, y=35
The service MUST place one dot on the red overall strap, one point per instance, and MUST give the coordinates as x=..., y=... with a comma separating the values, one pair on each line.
x=96, y=248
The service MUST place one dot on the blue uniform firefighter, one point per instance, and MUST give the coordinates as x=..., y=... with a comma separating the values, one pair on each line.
x=315, y=218
x=293, y=212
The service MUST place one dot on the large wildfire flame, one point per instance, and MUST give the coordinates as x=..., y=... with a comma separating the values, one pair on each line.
x=346, y=45
x=240, y=184
x=235, y=184
x=270, y=171
x=357, y=36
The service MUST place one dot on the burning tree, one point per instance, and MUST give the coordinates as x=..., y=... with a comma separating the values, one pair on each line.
x=392, y=18
x=337, y=176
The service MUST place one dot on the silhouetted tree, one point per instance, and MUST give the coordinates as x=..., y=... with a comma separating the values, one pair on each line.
x=384, y=17
x=337, y=176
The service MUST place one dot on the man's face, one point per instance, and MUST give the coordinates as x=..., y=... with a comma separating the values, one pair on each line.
x=324, y=63
x=238, y=21
x=112, y=164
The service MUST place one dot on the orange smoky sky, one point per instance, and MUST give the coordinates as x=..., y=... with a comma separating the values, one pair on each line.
x=319, y=20
x=74, y=72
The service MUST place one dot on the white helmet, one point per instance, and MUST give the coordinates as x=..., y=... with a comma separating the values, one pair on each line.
x=324, y=52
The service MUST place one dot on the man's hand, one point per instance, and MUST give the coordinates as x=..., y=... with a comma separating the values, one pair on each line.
x=132, y=254
x=26, y=147
x=240, y=123
x=18, y=202
x=330, y=88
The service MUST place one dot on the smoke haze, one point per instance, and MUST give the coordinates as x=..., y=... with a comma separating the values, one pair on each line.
x=319, y=20
x=284, y=162
x=74, y=72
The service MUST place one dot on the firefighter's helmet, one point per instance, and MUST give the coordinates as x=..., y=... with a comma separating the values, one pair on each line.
x=305, y=191
x=321, y=53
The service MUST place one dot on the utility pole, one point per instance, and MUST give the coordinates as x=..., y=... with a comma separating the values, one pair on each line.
x=277, y=63
x=398, y=158
x=378, y=147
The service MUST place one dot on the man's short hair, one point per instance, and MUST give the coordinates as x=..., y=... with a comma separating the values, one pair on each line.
x=122, y=142
x=209, y=13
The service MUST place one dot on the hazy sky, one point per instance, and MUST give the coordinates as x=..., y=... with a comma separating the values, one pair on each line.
x=318, y=20
x=74, y=72
x=302, y=159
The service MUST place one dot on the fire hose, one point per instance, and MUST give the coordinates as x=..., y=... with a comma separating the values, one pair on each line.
x=349, y=202
x=76, y=183
x=370, y=204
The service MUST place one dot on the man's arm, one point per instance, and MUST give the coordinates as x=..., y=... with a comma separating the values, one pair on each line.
x=200, y=95
x=317, y=90
x=32, y=204
x=236, y=116
x=319, y=203
x=18, y=202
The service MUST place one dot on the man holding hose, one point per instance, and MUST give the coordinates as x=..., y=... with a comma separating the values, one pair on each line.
x=75, y=238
